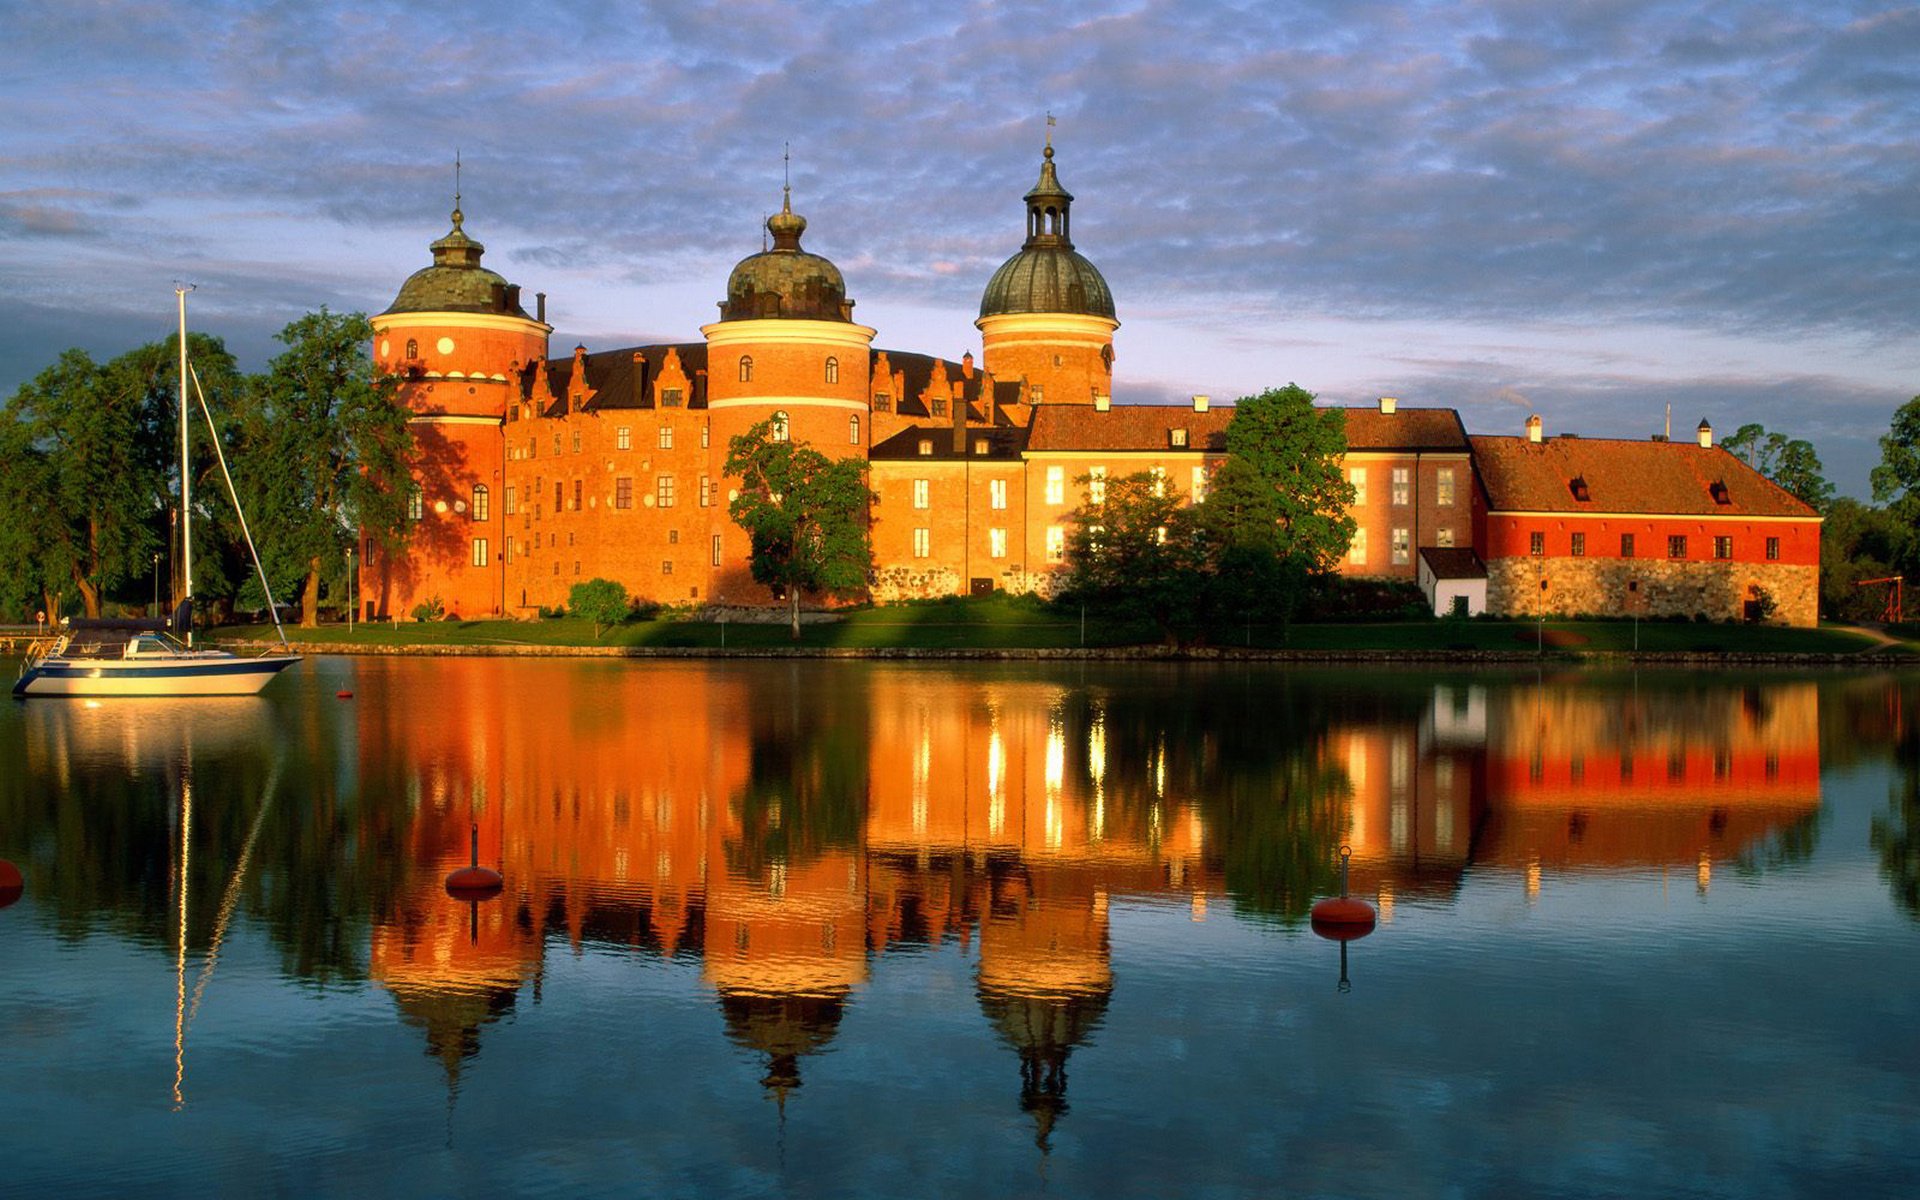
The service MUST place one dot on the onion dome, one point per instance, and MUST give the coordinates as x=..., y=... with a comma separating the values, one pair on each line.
x=1046, y=276
x=785, y=281
x=456, y=282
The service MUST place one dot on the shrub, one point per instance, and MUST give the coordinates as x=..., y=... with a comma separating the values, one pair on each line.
x=602, y=601
x=430, y=609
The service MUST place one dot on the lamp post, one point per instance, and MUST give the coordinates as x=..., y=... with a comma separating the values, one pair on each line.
x=156, y=585
x=350, y=580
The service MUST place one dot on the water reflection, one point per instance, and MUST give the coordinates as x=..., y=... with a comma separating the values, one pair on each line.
x=789, y=828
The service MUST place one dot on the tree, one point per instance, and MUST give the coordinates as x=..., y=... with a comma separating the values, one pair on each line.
x=1789, y=462
x=326, y=451
x=602, y=601
x=1896, y=481
x=805, y=516
x=1857, y=542
x=1137, y=548
x=1281, y=489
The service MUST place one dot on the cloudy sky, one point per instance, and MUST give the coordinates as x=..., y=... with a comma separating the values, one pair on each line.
x=1589, y=210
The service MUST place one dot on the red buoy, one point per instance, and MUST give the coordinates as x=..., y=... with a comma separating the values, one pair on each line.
x=1342, y=918
x=12, y=885
x=343, y=694
x=473, y=881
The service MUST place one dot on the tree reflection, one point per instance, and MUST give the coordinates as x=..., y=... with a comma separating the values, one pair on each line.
x=1896, y=834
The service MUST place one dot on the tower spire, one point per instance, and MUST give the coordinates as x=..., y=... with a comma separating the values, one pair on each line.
x=786, y=177
x=457, y=215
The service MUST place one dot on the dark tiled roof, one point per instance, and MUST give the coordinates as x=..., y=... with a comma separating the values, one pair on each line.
x=1453, y=562
x=1003, y=443
x=1405, y=429
x=610, y=375
x=1625, y=477
x=1145, y=427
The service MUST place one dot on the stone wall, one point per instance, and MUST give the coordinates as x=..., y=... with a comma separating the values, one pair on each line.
x=1650, y=587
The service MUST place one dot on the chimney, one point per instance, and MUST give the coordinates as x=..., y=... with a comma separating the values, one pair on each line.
x=959, y=418
x=639, y=378
x=966, y=365
x=1706, y=434
x=540, y=307
x=1102, y=402
x=513, y=297
x=1387, y=405
x=1200, y=403
x=1533, y=428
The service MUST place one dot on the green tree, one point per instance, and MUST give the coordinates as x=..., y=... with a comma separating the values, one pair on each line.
x=1857, y=542
x=602, y=601
x=1896, y=482
x=1281, y=489
x=1789, y=462
x=805, y=516
x=1135, y=547
x=326, y=452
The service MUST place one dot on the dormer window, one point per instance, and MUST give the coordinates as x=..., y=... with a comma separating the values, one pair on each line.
x=980, y=446
x=926, y=447
x=882, y=402
x=939, y=408
x=1177, y=438
x=1718, y=490
x=1578, y=486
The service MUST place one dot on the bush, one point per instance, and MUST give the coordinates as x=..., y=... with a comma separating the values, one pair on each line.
x=430, y=609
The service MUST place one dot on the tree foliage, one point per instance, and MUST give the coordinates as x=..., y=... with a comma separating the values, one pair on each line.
x=602, y=601
x=805, y=516
x=1281, y=489
x=1135, y=548
x=1789, y=462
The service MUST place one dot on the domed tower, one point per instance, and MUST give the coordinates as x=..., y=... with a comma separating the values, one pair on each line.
x=1047, y=314
x=785, y=349
x=457, y=338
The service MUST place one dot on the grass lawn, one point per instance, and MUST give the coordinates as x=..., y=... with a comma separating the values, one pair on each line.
x=1002, y=622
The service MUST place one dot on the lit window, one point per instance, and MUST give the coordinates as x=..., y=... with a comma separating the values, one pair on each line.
x=706, y=434
x=1443, y=537
x=996, y=543
x=706, y=491
x=1402, y=546
x=1056, y=485
x=1677, y=546
x=833, y=370
x=1723, y=547
x=1097, y=485
x=479, y=552
x=1357, y=551
x=1159, y=481
x=853, y=430
x=416, y=505
x=1199, y=484
x=666, y=437
x=1402, y=485
x=921, y=494
x=1037, y=394
x=922, y=543
x=746, y=369
x=997, y=493
x=1537, y=544
x=513, y=500
x=1578, y=548
x=482, y=503
x=623, y=492
x=1357, y=476
x=926, y=448
x=1443, y=486
x=623, y=438
x=663, y=491
x=1773, y=549
x=1177, y=438
x=716, y=549
x=1056, y=543
x=506, y=551
x=413, y=348
x=780, y=427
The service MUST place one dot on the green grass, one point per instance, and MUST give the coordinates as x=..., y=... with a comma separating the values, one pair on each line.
x=1014, y=623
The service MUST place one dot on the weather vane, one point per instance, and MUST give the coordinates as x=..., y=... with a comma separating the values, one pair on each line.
x=1050, y=124
x=786, y=175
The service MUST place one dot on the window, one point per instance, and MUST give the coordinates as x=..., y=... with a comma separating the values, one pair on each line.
x=1056, y=485
x=479, y=552
x=623, y=438
x=666, y=437
x=513, y=500
x=853, y=430
x=981, y=446
x=1443, y=537
x=1402, y=485
x=1773, y=549
x=670, y=398
x=1177, y=438
x=1357, y=476
x=997, y=493
x=925, y=447
x=1677, y=546
x=578, y=490
x=1579, y=547
x=559, y=496
x=1536, y=543
x=533, y=447
x=1402, y=547
x=576, y=441
x=833, y=370
x=882, y=402
x=1626, y=545
x=939, y=407
x=1199, y=484
x=706, y=434
x=623, y=492
x=416, y=504
x=706, y=491
x=1159, y=482
x=1723, y=547
x=1056, y=543
x=482, y=503
x=1357, y=549
x=746, y=369
x=673, y=537
x=666, y=566
x=413, y=348
x=780, y=427
x=663, y=491
x=716, y=549
x=556, y=443
x=996, y=543
x=920, y=494
x=922, y=543
x=1097, y=485
x=506, y=551
x=1443, y=486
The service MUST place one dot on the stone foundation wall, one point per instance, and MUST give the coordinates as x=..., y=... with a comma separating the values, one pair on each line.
x=925, y=583
x=1650, y=587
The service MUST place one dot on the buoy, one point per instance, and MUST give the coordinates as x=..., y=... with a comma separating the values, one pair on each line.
x=12, y=886
x=473, y=881
x=343, y=694
x=1343, y=918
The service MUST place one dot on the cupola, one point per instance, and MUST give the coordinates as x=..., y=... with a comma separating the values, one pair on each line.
x=1047, y=275
x=786, y=282
x=456, y=282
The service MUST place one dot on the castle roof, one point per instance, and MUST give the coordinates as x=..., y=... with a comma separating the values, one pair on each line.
x=1149, y=427
x=456, y=282
x=1622, y=476
x=1047, y=275
x=786, y=282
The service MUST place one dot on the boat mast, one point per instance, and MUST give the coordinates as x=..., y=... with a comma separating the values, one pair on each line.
x=186, y=486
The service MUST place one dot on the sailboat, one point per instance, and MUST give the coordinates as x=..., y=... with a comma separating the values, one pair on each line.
x=96, y=657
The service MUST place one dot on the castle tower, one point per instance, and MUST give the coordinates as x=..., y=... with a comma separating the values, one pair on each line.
x=784, y=349
x=1047, y=314
x=458, y=339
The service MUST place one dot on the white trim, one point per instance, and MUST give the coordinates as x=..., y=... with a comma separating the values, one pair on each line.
x=457, y=320
x=1623, y=516
x=450, y=419
x=1031, y=326
x=787, y=332
x=1183, y=455
x=785, y=402
x=1425, y=455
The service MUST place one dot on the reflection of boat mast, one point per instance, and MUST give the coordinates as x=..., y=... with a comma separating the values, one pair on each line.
x=180, y=956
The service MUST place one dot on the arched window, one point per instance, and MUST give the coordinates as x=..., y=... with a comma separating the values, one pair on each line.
x=853, y=430
x=413, y=348
x=746, y=368
x=779, y=427
x=480, y=499
x=833, y=370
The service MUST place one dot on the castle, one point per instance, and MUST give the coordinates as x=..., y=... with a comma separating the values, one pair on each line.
x=534, y=473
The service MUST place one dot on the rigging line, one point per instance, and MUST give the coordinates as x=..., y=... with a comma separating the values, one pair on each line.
x=232, y=896
x=214, y=435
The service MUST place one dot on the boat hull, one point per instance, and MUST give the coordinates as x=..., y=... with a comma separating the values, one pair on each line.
x=211, y=676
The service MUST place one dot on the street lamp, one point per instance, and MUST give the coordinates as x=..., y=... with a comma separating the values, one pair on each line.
x=350, y=579
x=156, y=585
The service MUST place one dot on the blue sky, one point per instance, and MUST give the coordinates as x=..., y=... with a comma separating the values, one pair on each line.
x=1586, y=210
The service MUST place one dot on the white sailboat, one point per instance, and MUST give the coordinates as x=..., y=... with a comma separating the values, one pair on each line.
x=158, y=657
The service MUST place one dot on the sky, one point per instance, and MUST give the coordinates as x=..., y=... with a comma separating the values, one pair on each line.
x=1586, y=210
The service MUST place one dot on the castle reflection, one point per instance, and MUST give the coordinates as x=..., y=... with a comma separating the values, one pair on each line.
x=789, y=834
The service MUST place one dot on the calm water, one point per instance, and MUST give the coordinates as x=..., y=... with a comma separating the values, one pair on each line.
x=862, y=929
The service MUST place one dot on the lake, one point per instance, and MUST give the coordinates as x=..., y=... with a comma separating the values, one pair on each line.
x=884, y=929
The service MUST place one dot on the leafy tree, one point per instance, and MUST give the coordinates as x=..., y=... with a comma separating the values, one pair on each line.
x=327, y=448
x=1857, y=542
x=1138, y=549
x=1896, y=481
x=1789, y=462
x=1281, y=490
x=805, y=516
x=602, y=601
